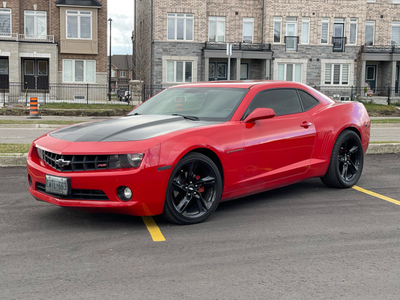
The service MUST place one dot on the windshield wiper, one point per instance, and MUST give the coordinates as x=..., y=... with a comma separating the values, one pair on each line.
x=193, y=118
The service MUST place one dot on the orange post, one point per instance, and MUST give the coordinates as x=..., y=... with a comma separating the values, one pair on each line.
x=34, y=110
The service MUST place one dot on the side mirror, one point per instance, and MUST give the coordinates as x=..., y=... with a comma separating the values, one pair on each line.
x=260, y=114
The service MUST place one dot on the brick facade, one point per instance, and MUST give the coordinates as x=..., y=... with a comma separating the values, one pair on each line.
x=18, y=47
x=314, y=57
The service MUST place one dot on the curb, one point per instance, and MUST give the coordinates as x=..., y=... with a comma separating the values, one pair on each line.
x=31, y=125
x=13, y=160
x=383, y=148
x=19, y=159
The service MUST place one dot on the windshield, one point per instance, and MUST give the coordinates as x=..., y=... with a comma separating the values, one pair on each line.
x=213, y=104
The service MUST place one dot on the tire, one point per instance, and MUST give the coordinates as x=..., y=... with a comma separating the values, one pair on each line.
x=346, y=163
x=194, y=190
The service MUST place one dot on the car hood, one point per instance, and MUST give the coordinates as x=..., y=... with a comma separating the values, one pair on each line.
x=129, y=128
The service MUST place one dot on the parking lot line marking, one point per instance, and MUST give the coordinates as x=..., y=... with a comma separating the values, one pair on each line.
x=152, y=227
x=376, y=195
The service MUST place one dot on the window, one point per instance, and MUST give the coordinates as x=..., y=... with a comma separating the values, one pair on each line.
x=396, y=33
x=5, y=22
x=79, y=24
x=180, y=27
x=216, y=29
x=244, y=71
x=369, y=33
x=291, y=34
x=277, y=29
x=122, y=73
x=324, y=31
x=337, y=74
x=35, y=24
x=371, y=1
x=305, y=30
x=248, y=30
x=179, y=71
x=307, y=100
x=353, y=32
x=282, y=101
x=289, y=72
x=79, y=70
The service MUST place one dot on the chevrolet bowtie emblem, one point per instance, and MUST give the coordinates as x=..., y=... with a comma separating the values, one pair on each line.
x=62, y=163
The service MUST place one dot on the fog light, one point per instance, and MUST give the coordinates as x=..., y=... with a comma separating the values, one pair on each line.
x=127, y=193
x=124, y=193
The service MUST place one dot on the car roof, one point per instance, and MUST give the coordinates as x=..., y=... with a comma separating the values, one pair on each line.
x=247, y=84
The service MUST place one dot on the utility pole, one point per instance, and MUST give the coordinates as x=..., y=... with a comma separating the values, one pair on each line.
x=109, y=67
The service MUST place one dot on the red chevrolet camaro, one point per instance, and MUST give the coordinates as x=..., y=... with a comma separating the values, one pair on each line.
x=191, y=146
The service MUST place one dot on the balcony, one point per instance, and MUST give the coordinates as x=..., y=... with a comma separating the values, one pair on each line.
x=27, y=37
x=338, y=44
x=380, y=49
x=36, y=38
x=291, y=43
x=238, y=46
x=9, y=36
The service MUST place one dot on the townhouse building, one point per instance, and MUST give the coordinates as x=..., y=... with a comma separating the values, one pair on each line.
x=331, y=44
x=121, y=71
x=48, y=44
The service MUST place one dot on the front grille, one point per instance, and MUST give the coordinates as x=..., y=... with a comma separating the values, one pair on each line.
x=76, y=194
x=72, y=163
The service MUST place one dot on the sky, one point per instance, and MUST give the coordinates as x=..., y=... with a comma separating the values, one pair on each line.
x=121, y=13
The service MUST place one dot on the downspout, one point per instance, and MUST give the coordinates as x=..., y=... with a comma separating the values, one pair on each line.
x=50, y=15
x=152, y=43
x=262, y=22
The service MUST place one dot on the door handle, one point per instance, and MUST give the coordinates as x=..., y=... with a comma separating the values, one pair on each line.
x=306, y=124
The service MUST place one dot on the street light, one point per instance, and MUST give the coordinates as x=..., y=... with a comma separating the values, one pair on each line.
x=109, y=67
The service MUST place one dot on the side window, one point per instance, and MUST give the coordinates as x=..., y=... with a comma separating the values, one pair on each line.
x=282, y=101
x=307, y=100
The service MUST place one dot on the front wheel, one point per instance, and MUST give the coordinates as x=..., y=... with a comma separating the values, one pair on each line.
x=346, y=162
x=194, y=190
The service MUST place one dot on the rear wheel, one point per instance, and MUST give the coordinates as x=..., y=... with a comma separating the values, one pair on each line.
x=346, y=162
x=194, y=190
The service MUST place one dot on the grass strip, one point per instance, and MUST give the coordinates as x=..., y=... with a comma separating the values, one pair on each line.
x=385, y=121
x=85, y=106
x=14, y=148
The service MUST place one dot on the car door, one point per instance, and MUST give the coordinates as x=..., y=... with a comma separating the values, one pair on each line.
x=282, y=146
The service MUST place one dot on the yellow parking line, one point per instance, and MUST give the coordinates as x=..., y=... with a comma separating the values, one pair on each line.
x=377, y=195
x=153, y=229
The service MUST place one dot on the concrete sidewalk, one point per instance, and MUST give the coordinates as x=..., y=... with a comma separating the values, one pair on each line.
x=379, y=132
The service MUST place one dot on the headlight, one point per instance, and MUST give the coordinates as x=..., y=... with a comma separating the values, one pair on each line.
x=39, y=152
x=131, y=160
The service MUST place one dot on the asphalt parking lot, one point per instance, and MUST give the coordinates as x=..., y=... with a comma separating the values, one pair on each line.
x=299, y=242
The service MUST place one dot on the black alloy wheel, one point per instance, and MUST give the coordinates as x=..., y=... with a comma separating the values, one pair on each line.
x=346, y=162
x=194, y=190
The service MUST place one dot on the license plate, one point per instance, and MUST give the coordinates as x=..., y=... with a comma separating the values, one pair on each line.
x=57, y=185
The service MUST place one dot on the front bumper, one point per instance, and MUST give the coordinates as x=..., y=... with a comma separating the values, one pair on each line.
x=148, y=186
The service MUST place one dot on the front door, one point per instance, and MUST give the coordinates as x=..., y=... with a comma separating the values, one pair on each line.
x=4, y=73
x=370, y=76
x=217, y=71
x=282, y=146
x=36, y=74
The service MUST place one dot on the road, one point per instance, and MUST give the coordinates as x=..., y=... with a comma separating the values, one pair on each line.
x=379, y=133
x=305, y=241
